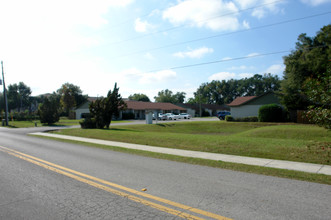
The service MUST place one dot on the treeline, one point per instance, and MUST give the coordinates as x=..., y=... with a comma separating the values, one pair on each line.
x=219, y=92
x=224, y=92
x=22, y=105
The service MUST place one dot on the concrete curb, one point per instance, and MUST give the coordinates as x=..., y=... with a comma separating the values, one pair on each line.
x=280, y=164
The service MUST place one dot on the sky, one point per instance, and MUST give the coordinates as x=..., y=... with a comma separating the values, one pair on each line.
x=147, y=46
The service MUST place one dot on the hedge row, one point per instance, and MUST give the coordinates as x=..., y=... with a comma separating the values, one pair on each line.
x=267, y=113
x=21, y=116
x=244, y=119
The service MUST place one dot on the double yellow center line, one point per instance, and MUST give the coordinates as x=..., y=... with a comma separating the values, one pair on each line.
x=118, y=189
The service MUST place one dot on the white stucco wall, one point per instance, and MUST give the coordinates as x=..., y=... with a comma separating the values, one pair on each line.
x=191, y=112
x=79, y=112
x=245, y=111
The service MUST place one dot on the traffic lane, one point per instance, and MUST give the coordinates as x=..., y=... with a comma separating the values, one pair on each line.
x=228, y=193
x=31, y=192
x=83, y=159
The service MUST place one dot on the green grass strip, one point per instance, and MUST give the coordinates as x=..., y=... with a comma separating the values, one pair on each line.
x=290, y=174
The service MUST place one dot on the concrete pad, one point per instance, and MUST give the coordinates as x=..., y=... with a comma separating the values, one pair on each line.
x=325, y=170
x=289, y=165
x=248, y=160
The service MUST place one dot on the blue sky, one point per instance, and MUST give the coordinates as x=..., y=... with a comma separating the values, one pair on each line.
x=140, y=44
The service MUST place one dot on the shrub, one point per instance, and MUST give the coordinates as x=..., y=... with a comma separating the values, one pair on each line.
x=49, y=111
x=127, y=115
x=320, y=116
x=88, y=123
x=24, y=116
x=229, y=118
x=205, y=114
x=270, y=113
x=86, y=115
x=246, y=119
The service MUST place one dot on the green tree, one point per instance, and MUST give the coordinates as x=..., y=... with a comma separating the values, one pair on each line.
x=224, y=92
x=179, y=97
x=139, y=97
x=192, y=101
x=164, y=96
x=113, y=105
x=97, y=109
x=49, y=110
x=71, y=96
x=103, y=109
x=169, y=96
x=319, y=94
x=18, y=96
x=308, y=61
x=258, y=85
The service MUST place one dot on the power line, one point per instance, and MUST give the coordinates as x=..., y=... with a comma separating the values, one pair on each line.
x=180, y=26
x=232, y=59
x=201, y=21
x=224, y=34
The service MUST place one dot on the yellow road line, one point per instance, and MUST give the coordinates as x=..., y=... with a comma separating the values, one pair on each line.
x=53, y=167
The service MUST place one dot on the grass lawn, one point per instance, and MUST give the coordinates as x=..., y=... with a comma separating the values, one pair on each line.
x=62, y=122
x=294, y=142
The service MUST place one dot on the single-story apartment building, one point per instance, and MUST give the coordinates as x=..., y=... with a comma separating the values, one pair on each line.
x=138, y=108
x=212, y=109
x=249, y=105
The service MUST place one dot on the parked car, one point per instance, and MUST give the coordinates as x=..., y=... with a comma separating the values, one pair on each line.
x=160, y=117
x=221, y=115
x=184, y=116
x=171, y=116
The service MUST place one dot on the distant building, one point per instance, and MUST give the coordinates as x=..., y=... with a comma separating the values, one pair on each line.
x=249, y=105
x=212, y=109
x=137, y=108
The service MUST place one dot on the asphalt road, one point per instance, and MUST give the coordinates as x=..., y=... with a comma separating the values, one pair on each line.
x=32, y=188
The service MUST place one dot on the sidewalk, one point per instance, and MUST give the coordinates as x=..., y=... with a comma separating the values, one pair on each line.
x=281, y=164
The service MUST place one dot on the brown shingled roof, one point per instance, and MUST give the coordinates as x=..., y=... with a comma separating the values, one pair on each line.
x=137, y=105
x=241, y=100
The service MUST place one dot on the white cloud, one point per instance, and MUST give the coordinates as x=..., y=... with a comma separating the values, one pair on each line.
x=245, y=75
x=136, y=75
x=122, y=3
x=265, y=7
x=226, y=58
x=242, y=67
x=246, y=3
x=259, y=13
x=246, y=24
x=229, y=75
x=204, y=13
x=197, y=53
x=149, y=56
x=222, y=76
x=155, y=12
x=315, y=2
x=276, y=69
x=141, y=26
x=253, y=54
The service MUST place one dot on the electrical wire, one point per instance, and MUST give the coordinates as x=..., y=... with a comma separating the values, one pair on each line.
x=232, y=59
x=201, y=21
x=224, y=34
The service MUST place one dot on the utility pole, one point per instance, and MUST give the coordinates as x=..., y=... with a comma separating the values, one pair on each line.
x=200, y=108
x=5, y=94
